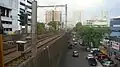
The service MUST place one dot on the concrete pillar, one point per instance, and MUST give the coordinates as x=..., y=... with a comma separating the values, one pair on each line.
x=34, y=24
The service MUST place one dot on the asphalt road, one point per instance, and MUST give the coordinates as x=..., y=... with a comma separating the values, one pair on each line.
x=69, y=61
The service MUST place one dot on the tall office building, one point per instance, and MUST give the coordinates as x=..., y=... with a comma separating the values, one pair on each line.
x=25, y=6
x=9, y=17
x=52, y=16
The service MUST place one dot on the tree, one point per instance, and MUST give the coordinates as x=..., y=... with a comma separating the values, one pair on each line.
x=78, y=26
x=54, y=24
x=91, y=35
x=40, y=28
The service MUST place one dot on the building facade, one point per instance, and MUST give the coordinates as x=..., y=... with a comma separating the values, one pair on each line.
x=25, y=6
x=98, y=22
x=52, y=16
x=114, y=39
x=115, y=27
x=9, y=17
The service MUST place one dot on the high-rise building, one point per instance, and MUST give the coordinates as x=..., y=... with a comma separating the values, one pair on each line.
x=25, y=7
x=9, y=17
x=52, y=16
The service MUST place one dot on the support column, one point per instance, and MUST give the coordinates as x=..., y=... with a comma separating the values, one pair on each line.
x=66, y=17
x=34, y=24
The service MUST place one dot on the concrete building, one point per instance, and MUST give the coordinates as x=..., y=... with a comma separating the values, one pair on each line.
x=52, y=16
x=115, y=26
x=97, y=22
x=9, y=17
x=25, y=6
x=113, y=43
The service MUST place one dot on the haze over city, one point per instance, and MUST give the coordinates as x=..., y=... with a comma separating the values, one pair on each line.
x=88, y=8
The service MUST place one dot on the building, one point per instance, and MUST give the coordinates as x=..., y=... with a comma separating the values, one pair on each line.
x=98, y=22
x=9, y=17
x=52, y=16
x=115, y=26
x=77, y=16
x=25, y=6
x=115, y=35
x=113, y=44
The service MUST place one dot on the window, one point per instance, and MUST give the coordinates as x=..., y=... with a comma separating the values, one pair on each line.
x=7, y=12
x=10, y=29
x=2, y=11
x=7, y=29
x=6, y=22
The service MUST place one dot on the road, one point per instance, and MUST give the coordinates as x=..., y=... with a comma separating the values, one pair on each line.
x=69, y=61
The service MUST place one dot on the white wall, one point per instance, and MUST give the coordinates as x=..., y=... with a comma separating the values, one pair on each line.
x=12, y=4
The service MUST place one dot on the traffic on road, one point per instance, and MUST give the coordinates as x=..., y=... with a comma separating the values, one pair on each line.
x=78, y=55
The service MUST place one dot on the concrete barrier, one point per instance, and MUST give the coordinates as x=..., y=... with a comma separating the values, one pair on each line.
x=48, y=57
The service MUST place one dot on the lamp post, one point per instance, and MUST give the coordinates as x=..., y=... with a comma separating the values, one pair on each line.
x=48, y=53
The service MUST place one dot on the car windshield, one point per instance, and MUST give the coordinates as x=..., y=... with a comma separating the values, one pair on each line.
x=89, y=55
x=75, y=51
x=91, y=59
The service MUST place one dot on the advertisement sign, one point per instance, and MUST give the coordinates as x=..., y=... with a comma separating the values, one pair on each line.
x=115, y=45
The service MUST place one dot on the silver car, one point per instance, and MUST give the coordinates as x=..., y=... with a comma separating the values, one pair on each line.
x=75, y=54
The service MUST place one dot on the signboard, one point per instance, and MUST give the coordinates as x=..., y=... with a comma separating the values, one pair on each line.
x=116, y=25
x=115, y=45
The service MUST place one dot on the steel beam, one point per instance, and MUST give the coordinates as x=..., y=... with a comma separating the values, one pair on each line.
x=53, y=6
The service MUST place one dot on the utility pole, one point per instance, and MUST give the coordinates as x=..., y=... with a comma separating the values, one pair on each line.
x=80, y=17
x=52, y=15
x=34, y=24
x=66, y=17
x=1, y=44
x=26, y=20
x=60, y=20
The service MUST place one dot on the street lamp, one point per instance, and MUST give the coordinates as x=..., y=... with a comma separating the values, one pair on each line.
x=48, y=53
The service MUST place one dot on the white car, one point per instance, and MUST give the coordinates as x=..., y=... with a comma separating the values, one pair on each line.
x=95, y=49
x=73, y=39
x=75, y=54
x=89, y=56
x=75, y=43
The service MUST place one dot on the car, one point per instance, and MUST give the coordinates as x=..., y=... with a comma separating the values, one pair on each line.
x=101, y=57
x=95, y=52
x=92, y=62
x=75, y=53
x=95, y=49
x=117, y=57
x=87, y=49
x=107, y=63
x=75, y=43
x=73, y=39
x=70, y=47
x=89, y=56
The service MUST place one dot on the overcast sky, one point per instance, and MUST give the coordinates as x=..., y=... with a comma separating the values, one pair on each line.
x=89, y=8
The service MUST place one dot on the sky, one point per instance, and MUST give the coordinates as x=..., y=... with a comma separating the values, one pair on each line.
x=88, y=8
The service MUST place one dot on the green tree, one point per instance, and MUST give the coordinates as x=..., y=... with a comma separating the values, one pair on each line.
x=40, y=28
x=91, y=35
x=54, y=24
x=78, y=26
